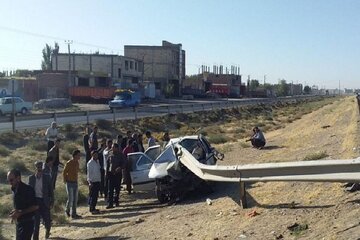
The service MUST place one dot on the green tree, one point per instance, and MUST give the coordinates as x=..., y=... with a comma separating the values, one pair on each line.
x=254, y=84
x=169, y=90
x=282, y=88
x=46, y=52
x=307, y=89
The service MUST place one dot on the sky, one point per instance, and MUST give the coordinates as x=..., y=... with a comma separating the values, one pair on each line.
x=301, y=41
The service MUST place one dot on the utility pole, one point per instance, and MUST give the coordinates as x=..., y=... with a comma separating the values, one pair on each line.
x=68, y=42
x=264, y=79
x=339, y=87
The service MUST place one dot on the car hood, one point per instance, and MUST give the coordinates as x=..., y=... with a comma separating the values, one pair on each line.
x=166, y=160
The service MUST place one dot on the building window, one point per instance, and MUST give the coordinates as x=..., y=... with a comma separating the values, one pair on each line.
x=126, y=65
x=136, y=66
x=131, y=65
x=83, y=82
x=119, y=73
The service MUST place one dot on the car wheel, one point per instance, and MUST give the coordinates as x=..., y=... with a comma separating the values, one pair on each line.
x=161, y=195
x=1, y=113
x=24, y=111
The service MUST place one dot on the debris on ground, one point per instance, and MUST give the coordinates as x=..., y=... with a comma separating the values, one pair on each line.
x=208, y=201
x=297, y=228
x=253, y=213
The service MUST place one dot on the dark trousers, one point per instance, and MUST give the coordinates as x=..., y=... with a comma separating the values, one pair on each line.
x=54, y=173
x=102, y=183
x=44, y=213
x=114, y=181
x=93, y=195
x=50, y=145
x=24, y=229
x=257, y=143
x=127, y=178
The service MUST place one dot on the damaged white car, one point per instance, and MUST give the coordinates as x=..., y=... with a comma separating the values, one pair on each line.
x=173, y=180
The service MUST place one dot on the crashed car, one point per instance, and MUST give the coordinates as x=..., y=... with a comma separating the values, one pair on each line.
x=172, y=179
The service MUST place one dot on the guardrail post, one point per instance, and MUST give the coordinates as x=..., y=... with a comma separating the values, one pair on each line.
x=243, y=201
x=193, y=107
x=87, y=117
x=182, y=108
x=212, y=106
x=114, y=115
x=168, y=109
x=203, y=107
x=55, y=116
x=135, y=112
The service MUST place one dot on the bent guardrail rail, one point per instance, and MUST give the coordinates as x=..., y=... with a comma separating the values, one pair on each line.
x=304, y=171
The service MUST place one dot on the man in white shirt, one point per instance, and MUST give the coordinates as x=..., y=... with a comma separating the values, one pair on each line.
x=94, y=180
x=51, y=135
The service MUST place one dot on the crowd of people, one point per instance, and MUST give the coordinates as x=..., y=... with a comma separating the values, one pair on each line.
x=106, y=164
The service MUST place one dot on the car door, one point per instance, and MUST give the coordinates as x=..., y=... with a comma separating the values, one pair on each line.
x=141, y=164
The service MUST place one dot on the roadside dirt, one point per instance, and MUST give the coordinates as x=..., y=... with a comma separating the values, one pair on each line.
x=325, y=208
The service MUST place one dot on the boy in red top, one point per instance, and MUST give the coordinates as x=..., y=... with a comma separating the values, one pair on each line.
x=126, y=171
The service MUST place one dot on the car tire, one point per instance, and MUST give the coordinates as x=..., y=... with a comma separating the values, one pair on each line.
x=24, y=111
x=161, y=195
x=1, y=113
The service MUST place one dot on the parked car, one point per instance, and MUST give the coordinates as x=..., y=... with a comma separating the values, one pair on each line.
x=20, y=105
x=172, y=179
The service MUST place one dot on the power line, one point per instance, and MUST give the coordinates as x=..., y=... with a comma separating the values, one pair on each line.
x=55, y=38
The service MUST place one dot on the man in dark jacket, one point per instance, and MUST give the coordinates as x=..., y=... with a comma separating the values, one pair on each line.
x=116, y=164
x=54, y=153
x=24, y=205
x=44, y=198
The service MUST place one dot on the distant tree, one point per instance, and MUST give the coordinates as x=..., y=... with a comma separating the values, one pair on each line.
x=3, y=74
x=282, y=88
x=169, y=90
x=268, y=86
x=46, y=52
x=307, y=90
x=254, y=84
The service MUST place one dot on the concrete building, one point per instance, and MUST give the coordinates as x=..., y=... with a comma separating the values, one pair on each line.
x=99, y=69
x=163, y=65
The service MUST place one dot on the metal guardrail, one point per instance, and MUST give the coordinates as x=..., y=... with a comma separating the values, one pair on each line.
x=165, y=109
x=305, y=171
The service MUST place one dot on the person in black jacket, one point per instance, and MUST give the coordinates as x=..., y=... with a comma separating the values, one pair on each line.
x=42, y=185
x=25, y=205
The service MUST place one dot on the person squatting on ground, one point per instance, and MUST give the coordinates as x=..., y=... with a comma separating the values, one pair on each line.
x=51, y=135
x=127, y=165
x=70, y=175
x=257, y=139
x=94, y=181
x=44, y=194
x=25, y=205
x=116, y=163
x=54, y=154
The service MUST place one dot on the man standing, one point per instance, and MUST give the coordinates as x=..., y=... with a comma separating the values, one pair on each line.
x=51, y=135
x=94, y=180
x=44, y=198
x=102, y=165
x=54, y=153
x=93, y=139
x=151, y=139
x=24, y=205
x=86, y=143
x=116, y=163
x=106, y=154
x=126, y=170
x=47, y=169
x=70, y=175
